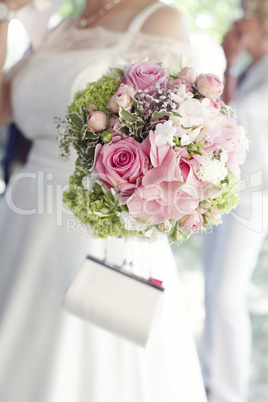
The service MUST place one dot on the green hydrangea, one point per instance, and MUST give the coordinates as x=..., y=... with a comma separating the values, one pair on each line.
x=97, y=93
x=98, y=208
x=229, y=196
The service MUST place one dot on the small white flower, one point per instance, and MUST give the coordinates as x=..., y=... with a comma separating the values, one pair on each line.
x=175, y=121
x=193, y=134
x=154, y=235
x=181, y=95
x=192, y=112
x=223, y=156
x=213, y=171
x=164, y=133
x=63, y=129
x=185, y=139
x=130, y=223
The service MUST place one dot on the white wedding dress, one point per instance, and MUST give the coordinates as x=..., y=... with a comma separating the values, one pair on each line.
x=47, y=355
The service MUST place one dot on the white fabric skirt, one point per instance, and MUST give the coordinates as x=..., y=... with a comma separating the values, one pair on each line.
x=47, y=355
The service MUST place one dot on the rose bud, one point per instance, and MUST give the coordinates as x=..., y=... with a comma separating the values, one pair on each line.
x=188, y=74
x=126, y=89
x=165, y=227
x=106, y=136
x=97, y=121
x=120, y=99
x=191, y=222
x=209, y=85
x=179, y=82
x=91, y=108
x=214, y=214
x=176, y=235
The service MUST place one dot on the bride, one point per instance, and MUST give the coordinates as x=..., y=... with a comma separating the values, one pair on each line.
x=47, y=355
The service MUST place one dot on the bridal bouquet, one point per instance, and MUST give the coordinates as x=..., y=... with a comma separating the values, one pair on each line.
x=157, y=152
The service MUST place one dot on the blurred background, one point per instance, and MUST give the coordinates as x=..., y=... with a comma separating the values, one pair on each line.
x=208, y=21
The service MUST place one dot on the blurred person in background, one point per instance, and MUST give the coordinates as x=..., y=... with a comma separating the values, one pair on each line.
x=47, y=355
x=231, y=251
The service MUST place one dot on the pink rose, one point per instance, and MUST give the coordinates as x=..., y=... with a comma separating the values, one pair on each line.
x=161, y=202
x=122, y=98
x=209, y=85
x=126, y=89
x=188, y=74
x=191, y=222
x=179, y=82
x=114, y=126
x=97, y=121
x=144, y=75
x=213, y=107
x=213, y=214
x=121, y=164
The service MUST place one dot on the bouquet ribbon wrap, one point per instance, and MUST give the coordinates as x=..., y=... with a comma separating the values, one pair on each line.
x=114, y=300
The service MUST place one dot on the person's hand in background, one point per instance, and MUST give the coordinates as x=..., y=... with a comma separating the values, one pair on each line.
x=233, y=44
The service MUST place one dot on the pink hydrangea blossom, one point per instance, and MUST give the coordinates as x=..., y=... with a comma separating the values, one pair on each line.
x=161, y=202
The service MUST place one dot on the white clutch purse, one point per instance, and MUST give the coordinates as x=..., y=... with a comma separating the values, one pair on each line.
x=115, y=300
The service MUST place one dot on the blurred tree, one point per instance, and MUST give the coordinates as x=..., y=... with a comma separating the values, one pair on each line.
x=70, y=7
x=210, y=16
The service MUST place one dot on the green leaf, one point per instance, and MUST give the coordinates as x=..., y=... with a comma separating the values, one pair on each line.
x=163, y=113
x=228, y=111
x=117, y=70
x=135, y=104
x=124, y=130
x=91, y=135
x=66, y=142
x=84, y=114
x=75, y=120
x=126, y=115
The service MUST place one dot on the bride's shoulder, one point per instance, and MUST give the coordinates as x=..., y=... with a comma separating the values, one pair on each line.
x=60, y=33
x=167, y=21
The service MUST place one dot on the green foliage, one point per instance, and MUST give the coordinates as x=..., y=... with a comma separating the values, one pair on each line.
x=131, y=123
x=97, y=208
x=229, y=196
x=75, y=132
x=69, y=8
x=97, y=93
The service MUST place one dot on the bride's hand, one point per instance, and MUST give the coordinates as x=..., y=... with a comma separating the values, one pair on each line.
x=15, y=5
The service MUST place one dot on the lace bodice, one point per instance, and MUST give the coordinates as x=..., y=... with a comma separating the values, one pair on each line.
x=70, y=57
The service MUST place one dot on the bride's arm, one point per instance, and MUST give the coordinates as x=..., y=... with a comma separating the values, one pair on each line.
x=5, y=107
x=167, y=22
x=169, y=40
x=5, y=81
